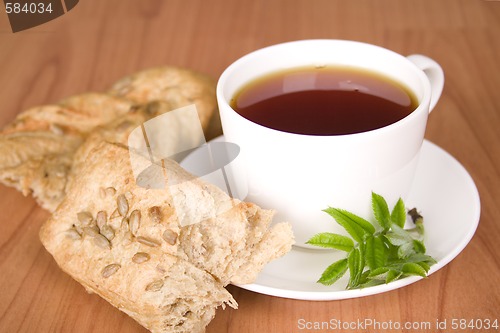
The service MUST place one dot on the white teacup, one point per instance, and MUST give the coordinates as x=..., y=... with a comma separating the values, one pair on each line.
x=300, y=175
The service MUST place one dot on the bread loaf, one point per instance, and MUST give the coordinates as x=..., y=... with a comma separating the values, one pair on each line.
x=38, y=147
x=126, y=243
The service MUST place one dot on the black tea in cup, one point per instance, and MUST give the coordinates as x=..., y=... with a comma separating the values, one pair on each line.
x=327, y=100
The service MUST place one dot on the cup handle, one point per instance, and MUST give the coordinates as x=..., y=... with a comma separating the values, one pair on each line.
x=434, y=73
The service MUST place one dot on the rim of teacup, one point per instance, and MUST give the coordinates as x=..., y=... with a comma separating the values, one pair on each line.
x=423, y=100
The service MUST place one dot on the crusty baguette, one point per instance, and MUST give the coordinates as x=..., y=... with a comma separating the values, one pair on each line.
x=128, y=243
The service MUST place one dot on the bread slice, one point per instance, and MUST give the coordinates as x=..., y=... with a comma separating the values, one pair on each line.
x=38, y=147
x=129, y=243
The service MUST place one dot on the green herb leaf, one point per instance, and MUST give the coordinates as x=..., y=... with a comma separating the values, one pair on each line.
x=364, y=278
x=392, y=275
x=398, y=236
x=405, y=250
x=411, y=268
x=371, y=283
x=381, y=211
x=398, y=214
x=418, y=246
x=395, y=239
x=334, y=272
x=351, y=226
x=356, y=264
x=366, y=225
x=379, y=273
x=416, y=258
x=425, y=266
x=376, y=252
x=420, y=257
x=332, y=241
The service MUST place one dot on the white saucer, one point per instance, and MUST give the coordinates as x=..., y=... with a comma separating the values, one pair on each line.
x=443, y=192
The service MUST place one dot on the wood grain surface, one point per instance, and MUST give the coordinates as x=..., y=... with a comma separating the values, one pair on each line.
x=98, y=42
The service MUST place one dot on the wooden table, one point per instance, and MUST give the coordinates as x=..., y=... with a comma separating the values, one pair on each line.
x=100, y=41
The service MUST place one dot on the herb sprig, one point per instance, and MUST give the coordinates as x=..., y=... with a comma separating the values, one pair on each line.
x=376, y=254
